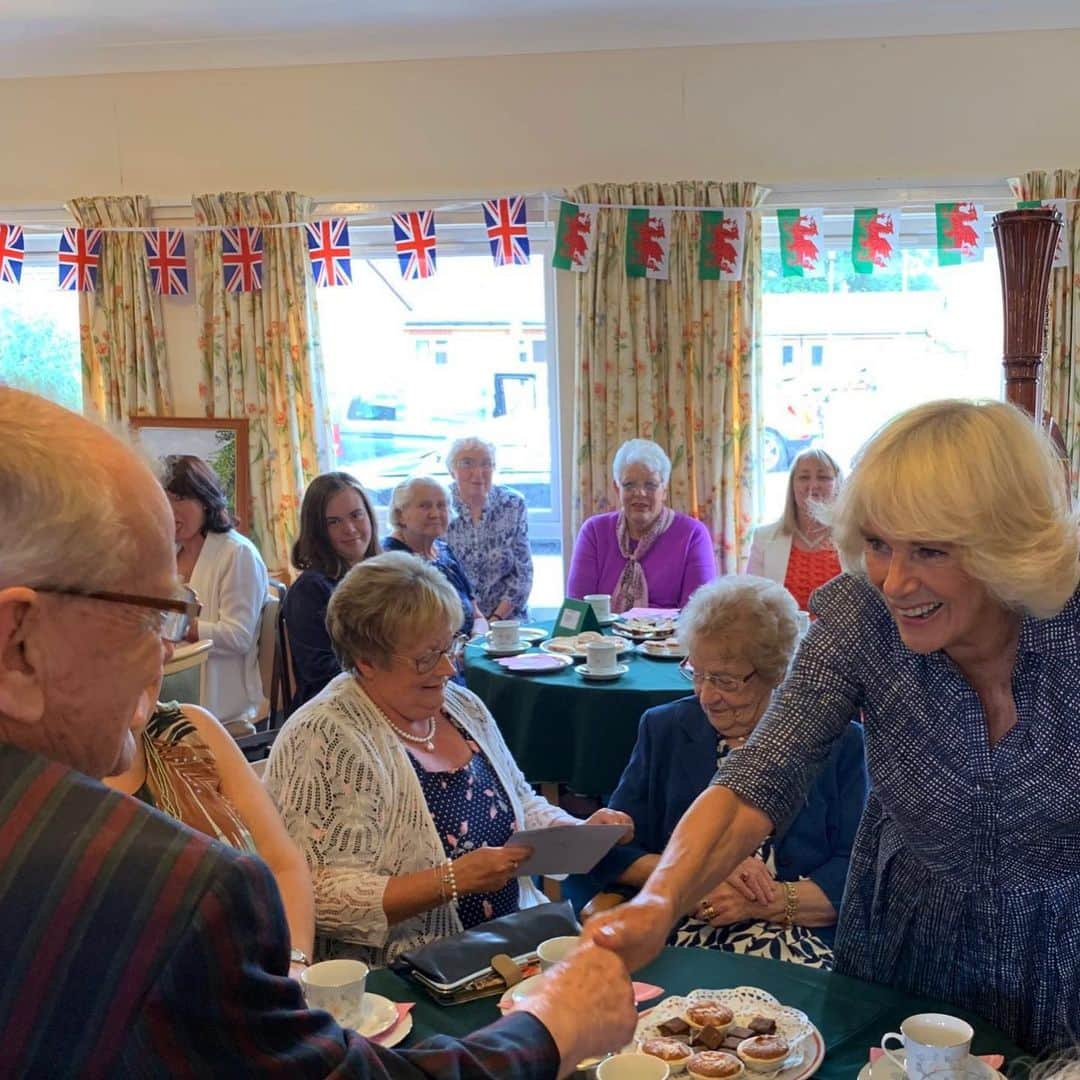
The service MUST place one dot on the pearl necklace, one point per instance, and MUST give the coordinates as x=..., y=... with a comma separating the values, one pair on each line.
x=428, y=740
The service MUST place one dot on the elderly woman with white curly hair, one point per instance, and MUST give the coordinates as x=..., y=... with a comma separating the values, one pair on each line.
x=489, y=531
x=644, y=554
x=396, y=783
x=956, y=632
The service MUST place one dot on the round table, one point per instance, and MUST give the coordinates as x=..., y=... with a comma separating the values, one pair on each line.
x=852, y=1015
x=562, y=729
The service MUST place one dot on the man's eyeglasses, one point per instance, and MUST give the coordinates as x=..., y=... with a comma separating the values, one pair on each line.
x=175, y=613
x=728, y=684
x=429, y=661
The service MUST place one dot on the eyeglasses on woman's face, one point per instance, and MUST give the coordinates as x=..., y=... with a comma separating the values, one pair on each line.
x=427, y=662
x=174, y=615
x=726, y=684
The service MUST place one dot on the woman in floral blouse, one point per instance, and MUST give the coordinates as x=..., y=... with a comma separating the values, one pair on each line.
x=489, y=532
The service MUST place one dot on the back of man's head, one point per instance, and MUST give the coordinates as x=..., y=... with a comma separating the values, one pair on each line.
x=62, y=520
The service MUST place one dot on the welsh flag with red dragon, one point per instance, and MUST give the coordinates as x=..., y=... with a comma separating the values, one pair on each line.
x=723, y=240
x=875, y=240
x=648, y=242
x=575, y=237
x=802, y=242
x=959, y=233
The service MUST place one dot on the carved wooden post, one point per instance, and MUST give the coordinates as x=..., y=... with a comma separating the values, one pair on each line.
x=1026, y=240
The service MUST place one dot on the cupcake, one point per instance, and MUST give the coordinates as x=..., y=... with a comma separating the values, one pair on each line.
x=710, y=1014
x=714, y=1065
x=671, y=1051
x=763, y=1053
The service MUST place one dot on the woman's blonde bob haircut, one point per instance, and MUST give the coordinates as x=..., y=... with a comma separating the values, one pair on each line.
x=978, y=475
x=386, y=602
x=749, y=618
x=791, y=509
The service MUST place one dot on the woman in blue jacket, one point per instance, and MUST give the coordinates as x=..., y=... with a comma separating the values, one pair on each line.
x=782, y=902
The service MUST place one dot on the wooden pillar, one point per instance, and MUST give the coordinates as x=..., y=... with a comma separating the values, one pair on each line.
x=1026, y=240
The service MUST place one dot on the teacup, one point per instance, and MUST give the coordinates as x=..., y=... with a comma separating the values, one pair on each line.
x=336, y=986
x=555, y=949
x=600, y=603
x=504, y=634
x=602, y=656
x=935, y=1045
x=632, y=1067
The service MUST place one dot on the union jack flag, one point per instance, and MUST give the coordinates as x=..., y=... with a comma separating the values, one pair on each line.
x=79, y=257
x=507, y=232
x=414, y=238
x=167, y=258
x=12, y=247
x=328, y=246
x=242, y=259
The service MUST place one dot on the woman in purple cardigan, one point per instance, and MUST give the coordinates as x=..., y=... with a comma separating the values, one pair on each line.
x=644, y=555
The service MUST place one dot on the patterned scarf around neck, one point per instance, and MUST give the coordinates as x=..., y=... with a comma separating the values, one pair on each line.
x=632, y=590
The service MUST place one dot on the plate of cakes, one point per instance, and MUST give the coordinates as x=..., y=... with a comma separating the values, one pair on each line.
x=574, y=644
x=645, y=628
x=719, y=1034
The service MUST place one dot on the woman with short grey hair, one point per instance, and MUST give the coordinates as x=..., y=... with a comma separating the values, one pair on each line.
x=645, y=554
x=396, y=783
x=489, y=531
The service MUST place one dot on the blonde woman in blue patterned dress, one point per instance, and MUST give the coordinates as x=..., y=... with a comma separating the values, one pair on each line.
x=956, y=631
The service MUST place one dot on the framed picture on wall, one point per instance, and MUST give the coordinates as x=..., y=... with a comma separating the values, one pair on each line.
x=221, y=442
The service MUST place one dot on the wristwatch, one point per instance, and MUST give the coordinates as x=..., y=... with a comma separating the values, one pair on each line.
x=296, y=956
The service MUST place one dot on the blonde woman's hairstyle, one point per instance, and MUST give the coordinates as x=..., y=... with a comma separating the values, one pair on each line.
x=470, y=443
x=64, y=520
x=402, y=496
x=978, y=475
x=641, y=452
x=386, y=601
x=748, y=617
x=791, y=521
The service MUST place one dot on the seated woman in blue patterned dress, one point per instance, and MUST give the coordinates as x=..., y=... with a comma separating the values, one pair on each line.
x=781, y=902
x=956, y=631
x=396, y=783
x=420, y=515
x=489, y=532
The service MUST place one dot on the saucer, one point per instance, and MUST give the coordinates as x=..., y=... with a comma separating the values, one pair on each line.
x=602, y=676
x=884, y=1069
x=607, y=620
x=533, y=634
x=377, y=1014
x=396, y=1033
x=513, y=650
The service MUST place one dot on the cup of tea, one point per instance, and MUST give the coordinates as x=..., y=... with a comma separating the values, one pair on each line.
x=600, y=603
x=602, y=656
x=555, y=949
x=504, y=634
x=935, y=1045
x=337, y=986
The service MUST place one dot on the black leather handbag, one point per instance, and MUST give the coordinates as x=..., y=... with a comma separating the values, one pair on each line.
x=458, y=968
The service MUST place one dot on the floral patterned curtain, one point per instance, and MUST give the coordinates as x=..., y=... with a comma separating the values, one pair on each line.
x=125, y=372
x=676, y=361
x=262, y=358
x=1061, y=368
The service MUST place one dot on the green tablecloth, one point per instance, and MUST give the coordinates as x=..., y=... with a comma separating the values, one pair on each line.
x=562, y=729
x=852, y=1015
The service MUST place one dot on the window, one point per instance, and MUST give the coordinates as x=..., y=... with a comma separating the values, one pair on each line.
x=39, y=329
x=413, y=365
x=844, y=353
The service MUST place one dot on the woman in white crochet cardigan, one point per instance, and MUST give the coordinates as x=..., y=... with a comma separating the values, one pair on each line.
x=396, y=783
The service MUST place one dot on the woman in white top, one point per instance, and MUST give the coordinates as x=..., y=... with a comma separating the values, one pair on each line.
x=396, y=783
x=229, y=576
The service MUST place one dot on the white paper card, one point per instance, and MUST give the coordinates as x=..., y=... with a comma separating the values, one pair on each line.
x=565, y=849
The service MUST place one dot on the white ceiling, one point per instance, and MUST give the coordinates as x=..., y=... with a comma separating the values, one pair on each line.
x=67, y=37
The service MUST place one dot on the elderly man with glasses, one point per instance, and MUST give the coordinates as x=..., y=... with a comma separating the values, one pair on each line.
x=133, y=946
x=740, y=634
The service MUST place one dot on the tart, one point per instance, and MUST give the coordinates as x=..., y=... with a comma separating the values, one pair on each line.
x=671, y=1051
x=712, y=1014
x=714, y=1065
x=763, y=1053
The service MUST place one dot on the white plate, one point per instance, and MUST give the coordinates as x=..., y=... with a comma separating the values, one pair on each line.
x=655, y=650
x=395, y=1035
x=533, y=634
x=376, y=1014
x=580, y=654
x=601, y=676
x=535, y=663
x=607, y=620
x=884, y=1069
x=514, y=995
x=485, y=646
x=808, y=1046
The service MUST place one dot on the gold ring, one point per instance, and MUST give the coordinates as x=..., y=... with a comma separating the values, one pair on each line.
x=708, y=911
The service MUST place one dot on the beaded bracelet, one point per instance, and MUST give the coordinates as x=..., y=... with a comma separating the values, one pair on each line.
x=452, y=878
x=791, y=904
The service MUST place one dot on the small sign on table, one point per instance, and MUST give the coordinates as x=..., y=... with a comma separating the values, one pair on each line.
x=574, y=617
